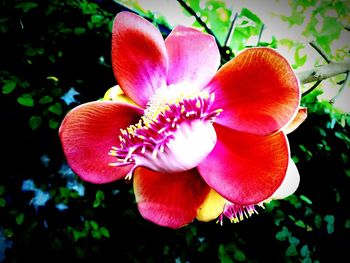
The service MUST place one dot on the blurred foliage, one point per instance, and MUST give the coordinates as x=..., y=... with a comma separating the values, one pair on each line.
x=56, y=55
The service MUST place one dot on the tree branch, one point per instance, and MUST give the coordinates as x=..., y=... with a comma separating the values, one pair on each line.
x=347, y=79
x=324, y=72
x=230, y=31
x=320, y=51
x=199, y=20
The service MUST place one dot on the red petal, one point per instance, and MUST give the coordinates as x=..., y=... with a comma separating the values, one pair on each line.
x=298, y=119
x=138, y=57
x=246, y=168
x=170, y=200
x=257, y=90
x=193, y=56
x=87, y=134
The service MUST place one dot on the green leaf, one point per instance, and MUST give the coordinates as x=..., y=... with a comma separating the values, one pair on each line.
x=94, y=224
x=239, y=255
x=104, y=232
x=2, y=202
x=330, y=223
x=56, y=108
x=2, y=189
x=79, y=30
x=300, y=223
x=9, y=87
x=96, y=203
x=53, y=124
x=100, y=196
x=291, y=251
x=305, y=199
x=96, y=234
x=97, y=19
x=26, y=100
x=304, y=251
x=284, y=234
x=294, y=241
x=34, y=122
x=45, y=99
x=20, y=219
x=318, y=221
x=26, y=6
x=347, y=223
x=308, y=260
x=8, y=233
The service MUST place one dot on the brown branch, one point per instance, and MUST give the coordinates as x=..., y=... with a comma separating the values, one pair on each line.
x=324, y=72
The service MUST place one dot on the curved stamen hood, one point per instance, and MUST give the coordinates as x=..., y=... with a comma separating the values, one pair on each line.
x=175, y=134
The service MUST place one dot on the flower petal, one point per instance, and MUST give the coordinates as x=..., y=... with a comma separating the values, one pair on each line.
x=169, y=200
x=290, y=182
x=246, y=168
x=257, y=90
x=139, y=57
x=116, y=94
x=298, y=119
x=212, y=206
x=87, y=134
x=193, y=56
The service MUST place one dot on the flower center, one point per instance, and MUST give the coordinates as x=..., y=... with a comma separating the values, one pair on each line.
x=174, y=134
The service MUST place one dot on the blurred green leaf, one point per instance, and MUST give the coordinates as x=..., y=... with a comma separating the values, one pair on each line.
x=305, y=199
x=26, y=6
x=20, y=218
x=283, y=235
x=94, y=224
x=304, y=251
x=56, y=108
x=100, y=196
x=318, y=221
x=45, y=99
x=347, y=223
x=300, y=223
x=239, y=255
x=291, y=251
x=2, y=189
x=9, y=87
x=34, y=122
x=53, y=124
x=104, y=232
x=26, y=100
x=2, y=202
x=330, y=223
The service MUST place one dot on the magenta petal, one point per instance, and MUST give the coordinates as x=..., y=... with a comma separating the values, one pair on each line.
x=139, y=57
x=170, y=200
x=87, y=134
x=257, y=90
x=193, y=56
x=246, y=168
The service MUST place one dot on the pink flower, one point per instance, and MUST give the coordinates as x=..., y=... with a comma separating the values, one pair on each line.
x=197, y=141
